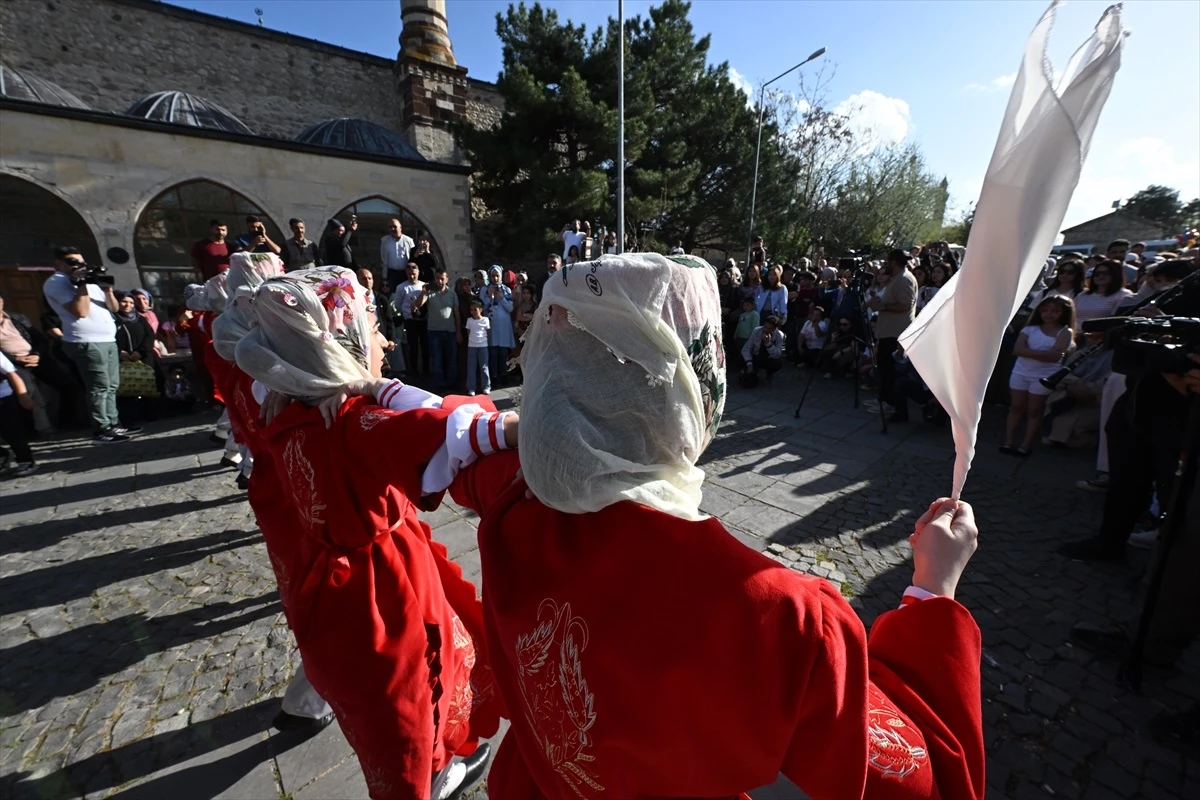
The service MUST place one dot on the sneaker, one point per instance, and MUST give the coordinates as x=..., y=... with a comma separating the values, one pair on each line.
x=22, y=469
x=108, y=437
x=827, y=375
x=126, y=430
x=1143, y=540
x=470, y=394
x=1096, y=484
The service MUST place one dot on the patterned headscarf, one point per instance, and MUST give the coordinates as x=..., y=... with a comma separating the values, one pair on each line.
x=247, y=272
x=624, y=384
x=312, y=333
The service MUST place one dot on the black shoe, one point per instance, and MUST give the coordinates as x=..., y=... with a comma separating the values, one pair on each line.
x=475, y=763
x=1111, y=643
x=287, y=723
x=22, y=469
x=127, y=430
x=226, y=461
x=217, y=440
x=243, y=482
x=1091, y=550
x=1180, y=730
x=109, y=437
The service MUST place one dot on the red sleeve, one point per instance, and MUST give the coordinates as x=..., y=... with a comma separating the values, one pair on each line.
x=827, y=754
x=925, y=657
x=399, y=443
x=479, y=485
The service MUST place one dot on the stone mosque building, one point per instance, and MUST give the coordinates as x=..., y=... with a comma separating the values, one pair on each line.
x=126, y=125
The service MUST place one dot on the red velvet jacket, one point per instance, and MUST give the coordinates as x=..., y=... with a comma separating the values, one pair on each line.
x=642, y=656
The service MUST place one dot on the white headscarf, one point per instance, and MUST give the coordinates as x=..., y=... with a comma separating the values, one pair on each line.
x=209, y=296
x=624, y=384
x=247, y=272
x=311, y=333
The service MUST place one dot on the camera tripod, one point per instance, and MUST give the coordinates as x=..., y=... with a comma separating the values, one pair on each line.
x=1130, y=674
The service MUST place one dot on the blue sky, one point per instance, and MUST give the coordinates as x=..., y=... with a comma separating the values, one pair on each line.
x=935, y=72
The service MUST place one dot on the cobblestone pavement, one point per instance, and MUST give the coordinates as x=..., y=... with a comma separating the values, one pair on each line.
x=142, y=646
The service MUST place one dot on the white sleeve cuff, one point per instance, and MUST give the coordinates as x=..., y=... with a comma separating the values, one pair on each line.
x=471, y=432
x=917, y=593
x=398, y=396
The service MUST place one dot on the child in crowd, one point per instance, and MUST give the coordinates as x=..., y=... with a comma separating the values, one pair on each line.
x=477, y=349
x=838, y=356
x=746, y=324
x=14, y=396
x=813, y=336
x=1040, y=349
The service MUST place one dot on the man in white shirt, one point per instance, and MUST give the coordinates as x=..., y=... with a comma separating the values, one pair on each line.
x=573, y=236
x=415, y=327
x=764, y=349
x=89, y=339
x=395, y=250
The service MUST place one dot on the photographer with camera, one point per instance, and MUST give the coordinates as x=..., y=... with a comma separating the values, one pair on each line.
x=1144, y=430
x=896, y=307
x=82, y=297
x=255, y=239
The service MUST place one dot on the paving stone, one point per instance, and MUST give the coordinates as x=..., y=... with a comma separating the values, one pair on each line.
x=131, y=624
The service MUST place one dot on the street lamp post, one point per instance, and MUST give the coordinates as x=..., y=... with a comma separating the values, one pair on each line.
x=758, y=148
x=621, y=127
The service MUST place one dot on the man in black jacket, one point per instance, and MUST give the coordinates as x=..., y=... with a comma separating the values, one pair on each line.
x=387, y=325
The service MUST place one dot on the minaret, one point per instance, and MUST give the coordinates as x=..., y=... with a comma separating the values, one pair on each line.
x=431, y=84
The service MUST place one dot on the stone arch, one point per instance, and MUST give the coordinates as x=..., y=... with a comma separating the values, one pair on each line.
x=373, y=212
x=176, y=218
x=33, y=221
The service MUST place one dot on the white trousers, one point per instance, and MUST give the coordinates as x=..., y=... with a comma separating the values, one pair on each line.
x=300, y=699
x=1114, y=387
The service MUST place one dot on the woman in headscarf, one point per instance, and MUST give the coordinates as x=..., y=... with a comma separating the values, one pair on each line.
x=390, y=633
x=641, y=650
x=144, y=304
x=302, y=708
x=207, y=300
x=498, y=307
x=141, y=383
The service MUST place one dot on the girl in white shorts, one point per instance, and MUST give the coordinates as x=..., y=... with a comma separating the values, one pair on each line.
x=1040, y=348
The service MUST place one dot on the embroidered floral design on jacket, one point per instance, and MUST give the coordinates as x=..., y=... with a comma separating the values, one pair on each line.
x=894, y=748
x=372, y=417
x=558, y=703
x=303, y=479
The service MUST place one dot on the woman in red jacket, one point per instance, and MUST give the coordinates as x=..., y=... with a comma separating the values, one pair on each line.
x=642, y=651
x=390, y=633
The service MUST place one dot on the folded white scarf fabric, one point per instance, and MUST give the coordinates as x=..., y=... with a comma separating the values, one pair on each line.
x=1033, y=172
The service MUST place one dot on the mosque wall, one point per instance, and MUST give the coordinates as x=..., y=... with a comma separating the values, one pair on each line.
x=109, y=172
x=112, y=53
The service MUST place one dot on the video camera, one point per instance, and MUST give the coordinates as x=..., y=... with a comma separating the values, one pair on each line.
x=97, y=274
x=1148, y=344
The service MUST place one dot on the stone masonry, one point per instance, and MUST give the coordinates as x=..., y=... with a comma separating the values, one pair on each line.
x=112, y=53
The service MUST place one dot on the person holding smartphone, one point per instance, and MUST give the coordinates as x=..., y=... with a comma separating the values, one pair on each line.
x=255, y=239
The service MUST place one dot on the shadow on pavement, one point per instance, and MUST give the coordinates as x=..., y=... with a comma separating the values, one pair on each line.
x=79, y=578
x=28, y=538
x=104, y=489
x=40, y=670
x=208, y=778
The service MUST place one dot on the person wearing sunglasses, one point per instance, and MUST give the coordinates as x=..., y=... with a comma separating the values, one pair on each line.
x=89, y=339
x=1105, y=292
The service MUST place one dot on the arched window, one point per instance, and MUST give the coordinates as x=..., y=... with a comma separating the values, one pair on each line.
x=33, y=222
x=374, y=215
x=176, y=220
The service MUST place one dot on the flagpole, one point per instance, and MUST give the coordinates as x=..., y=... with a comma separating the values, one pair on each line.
x=621, y=126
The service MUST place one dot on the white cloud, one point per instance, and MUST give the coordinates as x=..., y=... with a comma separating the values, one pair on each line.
x=994, y=85
x=1115, y=170
x=878, y=118
x=742, y=82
